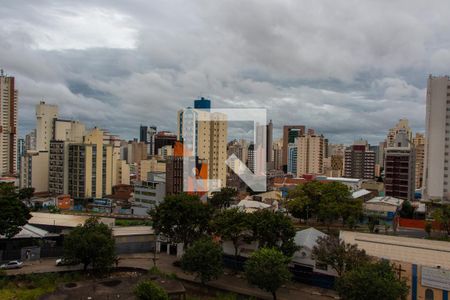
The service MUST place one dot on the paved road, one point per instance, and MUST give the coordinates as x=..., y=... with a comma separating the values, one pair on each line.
x=164, y=263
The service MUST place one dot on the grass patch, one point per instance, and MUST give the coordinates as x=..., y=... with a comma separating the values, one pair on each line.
x=33, y=286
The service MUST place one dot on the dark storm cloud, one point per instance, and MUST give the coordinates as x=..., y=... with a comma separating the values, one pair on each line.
x=349, y=69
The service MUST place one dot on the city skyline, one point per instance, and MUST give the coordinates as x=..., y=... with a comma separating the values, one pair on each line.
x=115, y=67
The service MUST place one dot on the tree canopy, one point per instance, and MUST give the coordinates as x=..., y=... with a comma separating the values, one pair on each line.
x=273, y=230
x=13, y=213
x=372, y=281
x=442, y=215
x=91, y=244
x=327, y=202
x=181, y=218
x=267, y=269
x=148, y=290
x=223, y=198
x=204, y=258
x=232, y=225
x=339, y=255
x=26, y=193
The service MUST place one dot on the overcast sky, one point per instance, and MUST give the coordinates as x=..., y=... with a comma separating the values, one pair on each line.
x=349, y=69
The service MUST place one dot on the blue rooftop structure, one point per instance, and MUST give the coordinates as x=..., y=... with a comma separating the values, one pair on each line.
x=202, y=103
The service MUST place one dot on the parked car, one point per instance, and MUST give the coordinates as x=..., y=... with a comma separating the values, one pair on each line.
x=14, y=264
x=65, y=262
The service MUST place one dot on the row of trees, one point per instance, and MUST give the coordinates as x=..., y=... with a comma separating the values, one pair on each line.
x=325, y=202
x=266, y=268
x=185, y=219
x=359, y=277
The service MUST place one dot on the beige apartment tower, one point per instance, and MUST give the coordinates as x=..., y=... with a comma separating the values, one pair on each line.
x=436, y=183
x=310, y=154
x=45, y=116
x=210, y=142
x=8, y=125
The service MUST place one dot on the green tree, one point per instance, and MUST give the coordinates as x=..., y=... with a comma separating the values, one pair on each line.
x=337, y=254
x=13, y=213
x=299, y=207
x=91, y=244
x=267, y=269
x=372, y=281
x=26, y=193
x=428, y=228
x=232, y=225
x=311, y=190
x=328, y=210
x=204, y=258
x=223, y=198
x=328, y=202
x=339, y=203
x=181, y=218
x=372, y=223
x=442, y=215
x=273, y=230
x=148, y=290
x=407, y=210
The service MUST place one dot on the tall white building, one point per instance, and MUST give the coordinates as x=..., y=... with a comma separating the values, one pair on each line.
x=437, y=152
x=8, y=125
x=45, y=116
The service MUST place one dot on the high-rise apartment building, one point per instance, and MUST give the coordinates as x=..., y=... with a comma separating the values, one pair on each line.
x=290, y=133
x=163, y=138
x=65, y=132
x=419, y=146
x=34, y=170
x=21, y=150
x=91, y=167
x=30, y=140
x=399, y=168
x=269, y=146
x=278, y=154
x=45, y=116
x=147, y=136
x=334, y=166
x=292, y=159
x=143, y=134
x=8, y=125
x=359, y=161
x=210, y=139
x=137, y=151
x=310, y=153
x=174, y=175
x=36, y=163
x=251, y=161
x=436, y=182
x=401, y=127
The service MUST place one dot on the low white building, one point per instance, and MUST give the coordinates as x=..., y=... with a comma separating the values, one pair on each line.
x=306, y=239
x=361, y=194
x=250, y=206
x=383, y=207
x=353, y=183
x=148, y=194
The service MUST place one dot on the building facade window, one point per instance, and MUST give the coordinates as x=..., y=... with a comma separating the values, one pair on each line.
x=429, y=294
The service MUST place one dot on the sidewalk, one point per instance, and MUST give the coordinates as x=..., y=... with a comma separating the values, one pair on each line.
x=232, y=283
